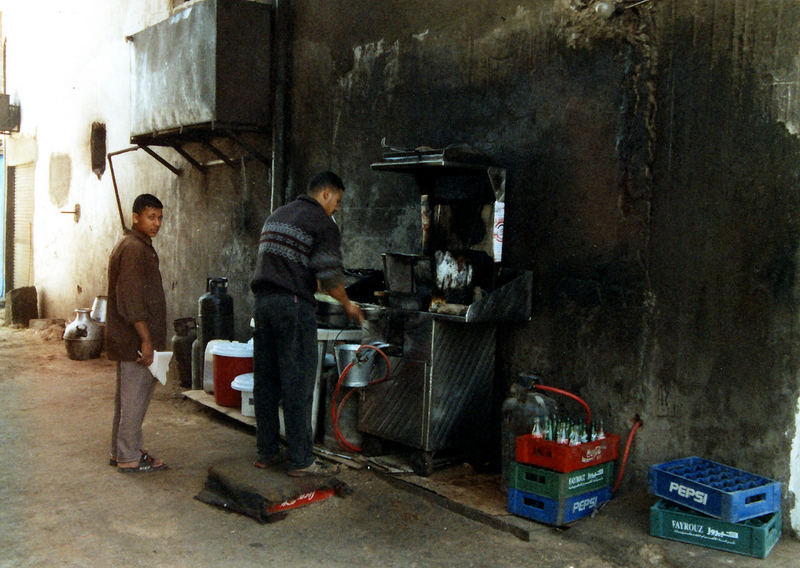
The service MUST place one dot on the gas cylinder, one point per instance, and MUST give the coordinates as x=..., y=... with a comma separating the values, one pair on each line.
x=215, y=311
x=185, y=334
x=518, y=412
x=197, y=364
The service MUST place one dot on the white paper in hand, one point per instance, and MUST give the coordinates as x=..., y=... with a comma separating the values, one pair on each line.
x=160, y=365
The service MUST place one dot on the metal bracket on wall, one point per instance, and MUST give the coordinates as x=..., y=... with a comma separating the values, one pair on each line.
x=177, y=140
x=204, y=135
x=175, y=170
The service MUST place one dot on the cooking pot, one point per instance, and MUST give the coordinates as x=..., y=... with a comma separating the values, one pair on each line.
x=330, y=313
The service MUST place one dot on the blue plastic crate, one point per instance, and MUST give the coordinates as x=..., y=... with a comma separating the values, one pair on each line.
x=715, y=489
x=556, y=511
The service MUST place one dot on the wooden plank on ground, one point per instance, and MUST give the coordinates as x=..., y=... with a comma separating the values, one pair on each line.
x=206, y=399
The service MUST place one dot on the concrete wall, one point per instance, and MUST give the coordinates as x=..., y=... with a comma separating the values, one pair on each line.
x=652, y=164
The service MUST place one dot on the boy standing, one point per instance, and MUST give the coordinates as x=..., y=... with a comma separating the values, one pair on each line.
x=135, y=327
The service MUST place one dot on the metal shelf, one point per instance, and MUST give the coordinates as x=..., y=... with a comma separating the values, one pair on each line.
x=453, y=159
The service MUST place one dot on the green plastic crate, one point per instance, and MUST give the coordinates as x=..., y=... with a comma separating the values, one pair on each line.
x=754, y=537
x=555, y=485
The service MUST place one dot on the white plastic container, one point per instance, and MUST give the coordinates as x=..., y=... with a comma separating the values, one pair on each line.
x=244, y=384
x=208, y=364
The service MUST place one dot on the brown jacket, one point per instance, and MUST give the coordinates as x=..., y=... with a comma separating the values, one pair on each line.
x=135, y=293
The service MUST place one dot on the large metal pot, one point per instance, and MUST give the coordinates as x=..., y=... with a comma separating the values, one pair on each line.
x=83, y=336
x=330, y=313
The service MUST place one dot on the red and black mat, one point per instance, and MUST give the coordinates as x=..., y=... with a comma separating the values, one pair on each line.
x=266, y=495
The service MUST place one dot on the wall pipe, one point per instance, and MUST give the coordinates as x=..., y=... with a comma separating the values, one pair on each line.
x=280, y=116
x=114, y=182
x=638, y=423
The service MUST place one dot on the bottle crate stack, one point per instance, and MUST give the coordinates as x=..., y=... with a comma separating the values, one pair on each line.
x=556, y=483
x=716, y=506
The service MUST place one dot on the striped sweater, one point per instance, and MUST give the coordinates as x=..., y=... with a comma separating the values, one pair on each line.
x=299, y=244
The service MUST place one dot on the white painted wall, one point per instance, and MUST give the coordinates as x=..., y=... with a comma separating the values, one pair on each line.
x=68, y=66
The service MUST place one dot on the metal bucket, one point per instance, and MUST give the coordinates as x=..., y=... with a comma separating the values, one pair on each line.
x=365, y=368
x=98, y=312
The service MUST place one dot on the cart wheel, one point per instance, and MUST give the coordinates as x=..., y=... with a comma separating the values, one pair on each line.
x=371, y=445
x=422, y=463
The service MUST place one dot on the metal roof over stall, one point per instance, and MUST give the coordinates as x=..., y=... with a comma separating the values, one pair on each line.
x=201, y=76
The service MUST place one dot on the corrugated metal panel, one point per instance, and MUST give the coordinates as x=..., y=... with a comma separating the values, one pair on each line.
x=208, y=64
x=461, y=382
x=20, y=226
x=432, y=404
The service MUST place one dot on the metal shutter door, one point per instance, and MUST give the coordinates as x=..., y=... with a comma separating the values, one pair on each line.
x=20, y=225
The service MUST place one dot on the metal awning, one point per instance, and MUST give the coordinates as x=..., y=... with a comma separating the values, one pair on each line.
x=179, y=139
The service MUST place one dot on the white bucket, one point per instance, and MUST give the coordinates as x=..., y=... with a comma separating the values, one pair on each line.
x=244, y=384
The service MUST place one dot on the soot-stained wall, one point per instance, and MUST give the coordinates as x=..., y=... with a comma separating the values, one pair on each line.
x=652, y=190
x=652, y=187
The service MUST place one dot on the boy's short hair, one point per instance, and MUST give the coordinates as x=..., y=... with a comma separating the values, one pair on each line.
x=323, y=180
x=146, y=200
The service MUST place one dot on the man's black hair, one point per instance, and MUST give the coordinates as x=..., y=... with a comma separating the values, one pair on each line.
x=323, y=180
x=146, y=200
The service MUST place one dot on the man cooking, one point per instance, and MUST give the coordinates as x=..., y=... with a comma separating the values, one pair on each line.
x=299, y=252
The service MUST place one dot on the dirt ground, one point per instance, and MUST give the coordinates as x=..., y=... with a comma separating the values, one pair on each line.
x=63, y=505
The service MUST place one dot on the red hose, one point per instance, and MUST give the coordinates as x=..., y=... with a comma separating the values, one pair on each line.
x=572, y=396
x=335, y=415
x=336, y=411
x=625, y=456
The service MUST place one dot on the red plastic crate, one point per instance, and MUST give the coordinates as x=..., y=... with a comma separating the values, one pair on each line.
x=563, y=458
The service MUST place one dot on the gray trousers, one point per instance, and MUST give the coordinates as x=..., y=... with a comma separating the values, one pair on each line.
x=135, y=385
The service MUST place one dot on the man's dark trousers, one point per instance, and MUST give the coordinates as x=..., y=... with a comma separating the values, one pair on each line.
x=284, y=368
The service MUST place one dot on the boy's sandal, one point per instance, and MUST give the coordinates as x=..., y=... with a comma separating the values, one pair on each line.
x=145, y=466
x=113, y=461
